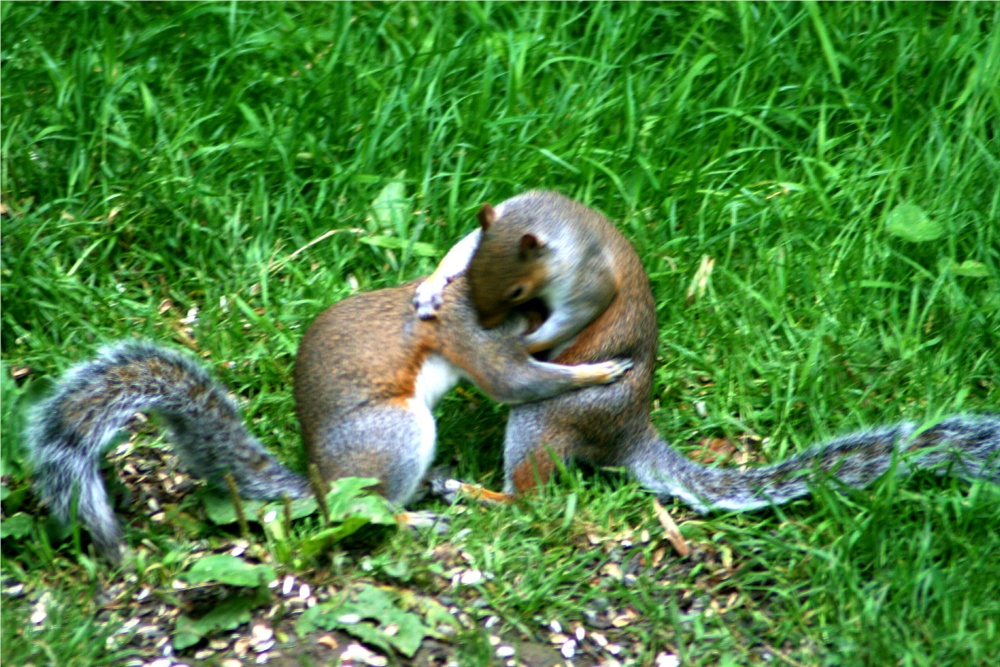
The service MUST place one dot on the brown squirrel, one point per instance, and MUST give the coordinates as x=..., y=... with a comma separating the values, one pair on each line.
x=544, y=245
x=367, y=376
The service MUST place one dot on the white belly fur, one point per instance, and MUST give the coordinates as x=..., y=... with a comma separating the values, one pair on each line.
x=436, y=377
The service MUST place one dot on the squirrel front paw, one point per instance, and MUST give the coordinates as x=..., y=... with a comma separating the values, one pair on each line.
x=449, y=490
x=429, y=297
x=440, y=485
x=615, y=368
x=432, y=520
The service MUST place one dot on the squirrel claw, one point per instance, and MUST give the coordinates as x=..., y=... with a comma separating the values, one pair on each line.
x=445, y=488
x=428, y=298
x=618, y=368
x=449, y=490
x=437, y=522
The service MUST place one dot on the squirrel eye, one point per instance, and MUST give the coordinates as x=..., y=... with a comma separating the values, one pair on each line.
x=515, y=293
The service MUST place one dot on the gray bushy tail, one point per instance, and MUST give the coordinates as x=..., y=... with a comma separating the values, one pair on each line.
x=69, y=431
x=966, y=446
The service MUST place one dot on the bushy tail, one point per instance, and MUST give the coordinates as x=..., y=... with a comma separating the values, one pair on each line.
x=69, y=431
x=966, y=446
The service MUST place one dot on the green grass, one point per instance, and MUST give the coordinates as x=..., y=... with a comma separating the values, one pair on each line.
x=159, y=158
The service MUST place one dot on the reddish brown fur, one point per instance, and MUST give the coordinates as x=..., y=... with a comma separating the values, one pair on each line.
x=536, y=469
x=486, y=216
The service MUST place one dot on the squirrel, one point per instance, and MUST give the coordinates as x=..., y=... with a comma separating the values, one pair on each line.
x=367, y=375
x=541, y=244
x=572, y=265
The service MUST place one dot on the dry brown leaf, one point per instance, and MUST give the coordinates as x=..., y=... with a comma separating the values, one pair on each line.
x=672, y=531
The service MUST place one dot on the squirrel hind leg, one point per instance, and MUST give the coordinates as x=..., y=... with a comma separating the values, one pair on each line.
x=533, y=450
x=392, y=442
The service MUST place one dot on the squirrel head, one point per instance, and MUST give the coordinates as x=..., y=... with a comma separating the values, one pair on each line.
x=508, y=268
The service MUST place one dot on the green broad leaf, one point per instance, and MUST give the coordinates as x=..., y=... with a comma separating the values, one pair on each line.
x=369, y=633
x=228, y=615
x=352, y=507
x=322, y=540
x=185, y=634
x=408, y=632
x=436, y=614
x=391, y=207
x=372, y=615
x=396, y=243
x=970, y=269
x=911, y=223
x=351, y=503
x=18, y=525
x=226, y=569
x=353, y=495
x=222, y=512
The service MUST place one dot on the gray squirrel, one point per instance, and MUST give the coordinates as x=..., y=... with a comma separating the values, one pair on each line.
x=544, y=245
x=367, y=375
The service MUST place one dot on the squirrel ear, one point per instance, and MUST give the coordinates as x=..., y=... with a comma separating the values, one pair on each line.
x=530, y=246
x=486, y=216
